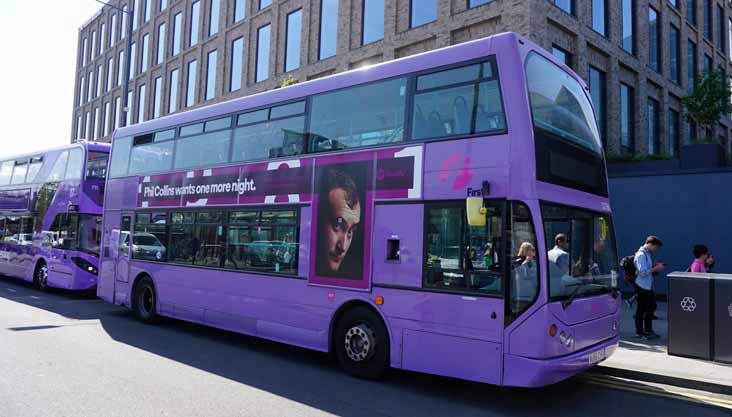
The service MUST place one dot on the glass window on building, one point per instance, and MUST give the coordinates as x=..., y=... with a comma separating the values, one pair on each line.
x=691, y=11
x=160, y=57
x=195, y=21
x=654, y=139
x=133, y=59
x=708, y=19
x=691, y=66
x=191, y=84
x=673, y=132
x=83, y=52
x=562, y=55
x=144, y=52
x=476, y=3
x=264, y=4
x=599, y=16
x=628, y=9
x=654, y=33
x=95, y=130
x=293, y=40
x=120, y=67
x=263, y=44
x=566, y=5
x=135, y=15
x=102, y=38
x=100, y=76
x=173, y=92
x=113, y=30
x=93, y=44
x=627, y=117
x=213, y=17
x=675, y=51
x=117, y=109
x=708, y=64
x=141, y=96
x=123, y=27
x=373, y=21
x=598, y=91
x=422, y=12
x=720, y=28
x=90, y=87
x=157, y=99
x=237, y=58
x=328, y=28
x=148, y=6
x=110, y=73
x=128, y=104
x=177, y=22
x=107, y=121
x=211, y=75
x=163, y=5
x=240, y=11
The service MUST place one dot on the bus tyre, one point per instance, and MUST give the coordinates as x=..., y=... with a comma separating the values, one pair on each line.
x=144, y=301
x=362, y=343
x=41, y=277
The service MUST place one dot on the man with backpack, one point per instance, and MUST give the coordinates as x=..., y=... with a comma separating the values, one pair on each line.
x=643, y=284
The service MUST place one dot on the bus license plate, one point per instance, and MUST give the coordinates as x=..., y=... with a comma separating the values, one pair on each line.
x=597, y=356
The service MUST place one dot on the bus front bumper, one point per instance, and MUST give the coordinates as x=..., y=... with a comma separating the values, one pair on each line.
x=527, y=372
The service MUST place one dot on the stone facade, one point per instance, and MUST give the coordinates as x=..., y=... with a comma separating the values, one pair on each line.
x=541, y=20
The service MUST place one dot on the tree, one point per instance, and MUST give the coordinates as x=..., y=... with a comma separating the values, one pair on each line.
x=709, y=101
x=290, y=80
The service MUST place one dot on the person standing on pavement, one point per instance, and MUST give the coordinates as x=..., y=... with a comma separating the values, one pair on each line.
x=701, y=255
x=643, y=284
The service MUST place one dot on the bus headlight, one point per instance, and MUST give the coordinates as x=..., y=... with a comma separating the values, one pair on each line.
x=84, y=264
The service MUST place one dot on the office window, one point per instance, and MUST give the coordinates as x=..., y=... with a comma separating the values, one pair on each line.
x=83, y=52
x=264, y=3
x=293, y=40
x=146, y=16
x=328, y=28
x=627, y=120
x=120, y=67
x=176, y=34
x=81, y=90
x=629, y=25
x=160, y=53
x=691, y=66
x=135, y=14
x=100, y=77
x=373, y=21
x=675, y=51
x=191, y=84
x=157, y=99
x=110, y=73
x=674, y=3
x=562, y=55
x=708, y=63
x=476, y=3
x=263, y=42
x=598, y=92
x=123, y=27
x=78, y=137
x=128, y=104
x=720, y=28
x=133, y=59
x=142, y=94
x=117, y=109
x=144, y=52
x=93, y=45
x=211, y=76
x=173, y=92
x=691, y=11
x=90, y=88
x=422, y=12
x=95, y=132
x=729, y=38
x=113, y=30
x=654, y=32
x=240, y=11
x=654, y=141
x=213, y=18
x=237, y=57
x=86, y=124
x=106, y=118
x=195, y=19
x=102, y=38
x=163, y=4
x=566, y=5
x=708, y=19
x=673, y=132
x=599, y=16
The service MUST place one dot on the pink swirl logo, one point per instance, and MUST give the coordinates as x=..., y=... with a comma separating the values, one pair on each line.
x=463, y=175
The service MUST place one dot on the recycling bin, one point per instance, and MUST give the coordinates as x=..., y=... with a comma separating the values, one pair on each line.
x=723, y=318
x=689, y=315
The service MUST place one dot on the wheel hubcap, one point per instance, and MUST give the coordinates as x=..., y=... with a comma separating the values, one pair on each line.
x=43, y=276
x=360, y=343
x=147, y=300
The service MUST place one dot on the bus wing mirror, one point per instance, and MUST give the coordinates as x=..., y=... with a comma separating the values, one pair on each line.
x=475, y=211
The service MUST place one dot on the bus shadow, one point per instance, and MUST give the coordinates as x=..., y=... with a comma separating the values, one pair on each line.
x=76, y=305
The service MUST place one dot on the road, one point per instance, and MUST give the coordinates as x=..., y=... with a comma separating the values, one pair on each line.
x=64, y=354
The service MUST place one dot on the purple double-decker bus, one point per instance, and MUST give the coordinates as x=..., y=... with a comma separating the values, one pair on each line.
x=445, y=213
x=51, y=215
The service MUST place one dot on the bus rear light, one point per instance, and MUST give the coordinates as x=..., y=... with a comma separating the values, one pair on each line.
x=379, y=300
x=553, y=330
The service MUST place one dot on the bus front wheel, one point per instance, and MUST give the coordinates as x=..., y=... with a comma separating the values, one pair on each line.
x=362, y=343
x=144, y=301
x=41, y=278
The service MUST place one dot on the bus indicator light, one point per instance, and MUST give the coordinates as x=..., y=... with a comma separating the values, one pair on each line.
x=553, y=330
x=379, y=300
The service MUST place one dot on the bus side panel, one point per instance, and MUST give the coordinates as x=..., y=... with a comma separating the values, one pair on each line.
x=110, y=248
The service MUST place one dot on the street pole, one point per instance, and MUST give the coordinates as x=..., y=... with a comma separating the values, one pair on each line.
x=126, y=86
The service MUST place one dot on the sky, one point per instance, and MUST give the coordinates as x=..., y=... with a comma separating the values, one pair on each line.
x=37, y=71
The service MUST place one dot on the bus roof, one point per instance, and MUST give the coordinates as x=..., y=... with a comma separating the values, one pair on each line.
x=93, y=146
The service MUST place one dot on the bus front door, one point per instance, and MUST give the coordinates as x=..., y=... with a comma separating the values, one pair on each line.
x=122, y=263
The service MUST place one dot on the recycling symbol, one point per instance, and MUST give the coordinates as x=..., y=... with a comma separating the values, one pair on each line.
x=729, y=308
x=688, y=304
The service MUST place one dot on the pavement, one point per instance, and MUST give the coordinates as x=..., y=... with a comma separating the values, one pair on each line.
x=648, y=360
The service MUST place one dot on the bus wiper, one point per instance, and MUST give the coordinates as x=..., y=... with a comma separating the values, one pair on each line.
x=572, y=296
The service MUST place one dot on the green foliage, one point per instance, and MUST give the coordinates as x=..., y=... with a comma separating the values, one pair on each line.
x=705, y=140
x=616, y=158
x=290, y=80
x=709, y=101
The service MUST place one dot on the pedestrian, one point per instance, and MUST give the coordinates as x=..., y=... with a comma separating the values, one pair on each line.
x=643, y=285
x=701, y=255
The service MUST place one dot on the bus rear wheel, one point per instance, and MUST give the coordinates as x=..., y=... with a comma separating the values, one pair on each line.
x=362, y=343
x=144, y=301
x=41, y=276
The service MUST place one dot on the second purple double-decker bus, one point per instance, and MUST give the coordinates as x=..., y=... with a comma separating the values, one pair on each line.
x=51, y=215
x=445, y=213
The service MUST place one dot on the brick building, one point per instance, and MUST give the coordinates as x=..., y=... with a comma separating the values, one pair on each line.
x=639, y=57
